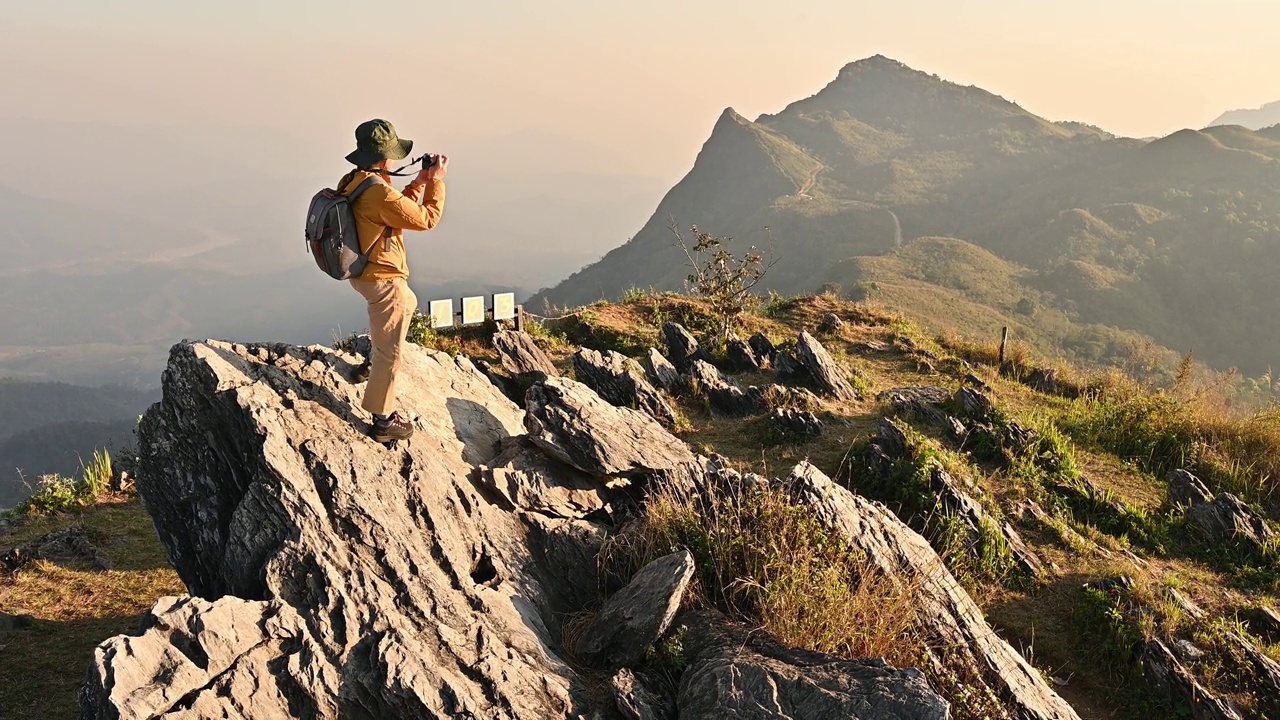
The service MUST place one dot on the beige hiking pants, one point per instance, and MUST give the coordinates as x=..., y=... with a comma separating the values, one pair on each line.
x=391, y=307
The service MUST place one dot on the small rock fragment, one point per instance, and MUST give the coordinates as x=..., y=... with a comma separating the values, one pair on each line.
x=741, y=357
x=1186, y=489
x=660, y=371
x=762, y=348
x=831, y=323
x=828, y=376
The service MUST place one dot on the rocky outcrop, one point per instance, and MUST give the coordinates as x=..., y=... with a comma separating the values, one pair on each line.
x=827, y=375
x=831, y=323
x=333, y=577
x=620, y=380
x=947, y=613
x=521, y=356
x=416, y=595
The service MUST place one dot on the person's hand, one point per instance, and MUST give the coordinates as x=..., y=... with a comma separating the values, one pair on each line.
x=436, y=172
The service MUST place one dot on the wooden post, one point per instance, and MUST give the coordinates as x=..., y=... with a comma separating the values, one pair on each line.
x=1004, y=343
x=519, y=318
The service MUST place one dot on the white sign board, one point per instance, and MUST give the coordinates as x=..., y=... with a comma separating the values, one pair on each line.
x=473, y=310
x=504, y=306
x=441, y=313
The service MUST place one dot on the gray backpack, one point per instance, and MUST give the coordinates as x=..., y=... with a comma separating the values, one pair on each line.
x=331, y=232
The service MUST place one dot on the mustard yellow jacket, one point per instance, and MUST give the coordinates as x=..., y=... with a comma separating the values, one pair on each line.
x=382, y=206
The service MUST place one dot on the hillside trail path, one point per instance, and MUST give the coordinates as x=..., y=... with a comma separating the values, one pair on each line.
x=808, y=183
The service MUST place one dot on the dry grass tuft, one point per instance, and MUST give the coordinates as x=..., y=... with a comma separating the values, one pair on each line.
x=767, y=562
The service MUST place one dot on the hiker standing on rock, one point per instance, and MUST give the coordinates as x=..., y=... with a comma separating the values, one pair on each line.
x=382, y=214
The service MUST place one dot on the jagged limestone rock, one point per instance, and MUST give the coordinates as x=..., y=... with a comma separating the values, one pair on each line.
x=831, y=323
x=919, y=402
x=947, y=614
x=521, y=355
x=574, y=425
x=735, y=675
x=220, y=653
x=636, y=616
x=976, y=406
x=799, y=424
x=1228, y=518
x=723, y=395
x=418, y=596
x=1187, y=489
x=619, y=380
x=637, y=701
x=660, y=371
x=526, y=478
x=741, y=357
x=1168, y=679
x=787, y=367
x=826, y=374
x=682, y=346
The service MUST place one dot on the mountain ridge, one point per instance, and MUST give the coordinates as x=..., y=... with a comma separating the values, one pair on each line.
x=946, y=160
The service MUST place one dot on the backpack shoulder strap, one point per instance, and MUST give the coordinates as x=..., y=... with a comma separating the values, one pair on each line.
x=374, y=179
x=369, y=182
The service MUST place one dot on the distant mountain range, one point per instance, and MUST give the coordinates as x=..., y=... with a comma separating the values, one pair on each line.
x=50, y=428
x=1094, y=245
x=1254, y=119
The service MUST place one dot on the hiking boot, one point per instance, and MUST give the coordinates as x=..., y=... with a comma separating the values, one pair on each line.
x=391, y=427
x=361, y=373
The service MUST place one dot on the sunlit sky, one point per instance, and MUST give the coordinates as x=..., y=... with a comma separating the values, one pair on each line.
x=635, y=85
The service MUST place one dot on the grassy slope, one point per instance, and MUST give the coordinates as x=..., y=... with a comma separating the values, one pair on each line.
x=1042, y=621
x=75, y=608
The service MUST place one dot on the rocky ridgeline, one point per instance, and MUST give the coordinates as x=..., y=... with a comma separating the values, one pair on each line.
x=331, y=576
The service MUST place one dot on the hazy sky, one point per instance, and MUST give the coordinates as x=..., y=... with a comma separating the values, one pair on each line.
x=636, y=84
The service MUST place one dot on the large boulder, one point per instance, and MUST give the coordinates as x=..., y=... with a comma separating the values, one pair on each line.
x=415, y=594
x=620, y=380
x=574, y=425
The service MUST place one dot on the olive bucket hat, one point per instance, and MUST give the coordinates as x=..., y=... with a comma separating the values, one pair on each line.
x=376, y=141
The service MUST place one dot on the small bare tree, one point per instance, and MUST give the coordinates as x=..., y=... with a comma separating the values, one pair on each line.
x=725, y=279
